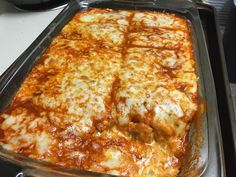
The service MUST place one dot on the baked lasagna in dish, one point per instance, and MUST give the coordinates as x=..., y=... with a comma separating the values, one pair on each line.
x=115, y=92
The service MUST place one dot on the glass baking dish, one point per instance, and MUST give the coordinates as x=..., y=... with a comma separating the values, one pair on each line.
x=204, y=156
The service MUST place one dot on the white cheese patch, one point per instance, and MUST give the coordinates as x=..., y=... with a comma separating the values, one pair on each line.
x=160, y=20
x=166, y=38
x=114, y=159
x=110, y=34
x=104, y=16
x=43, y=141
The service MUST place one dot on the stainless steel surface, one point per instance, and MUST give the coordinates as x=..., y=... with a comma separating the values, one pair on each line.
x=223, y=8
x=225, y=17
x=233, y=91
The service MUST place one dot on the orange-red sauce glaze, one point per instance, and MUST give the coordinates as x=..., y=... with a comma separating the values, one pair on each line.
x=115, y=92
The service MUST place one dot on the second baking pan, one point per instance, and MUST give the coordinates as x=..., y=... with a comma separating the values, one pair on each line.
x=225, y=105
x=211, y=151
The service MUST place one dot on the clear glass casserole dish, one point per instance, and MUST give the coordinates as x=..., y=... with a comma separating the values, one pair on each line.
x=204, y=157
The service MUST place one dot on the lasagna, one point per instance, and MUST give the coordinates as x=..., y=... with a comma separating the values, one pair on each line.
x=115, y=92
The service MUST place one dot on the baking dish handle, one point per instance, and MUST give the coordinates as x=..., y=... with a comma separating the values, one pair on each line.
x=137, y=2
x=49, y=172
x=183, y=4
x=128, y=2
x=35, y=172
x=28, y=172
x=20, y=174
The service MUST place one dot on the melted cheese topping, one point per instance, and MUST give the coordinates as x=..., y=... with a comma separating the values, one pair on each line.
x=115, y=92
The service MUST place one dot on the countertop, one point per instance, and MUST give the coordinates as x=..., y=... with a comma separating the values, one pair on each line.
x=18, y=29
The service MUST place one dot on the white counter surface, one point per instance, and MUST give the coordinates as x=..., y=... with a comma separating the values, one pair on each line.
x=18, y=29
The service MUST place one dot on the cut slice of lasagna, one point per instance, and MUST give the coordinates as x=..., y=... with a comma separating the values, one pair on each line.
x=115, y=92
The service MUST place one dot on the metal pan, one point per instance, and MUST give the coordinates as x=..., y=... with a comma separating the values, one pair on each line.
x=211, y=158
x=225, y=105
